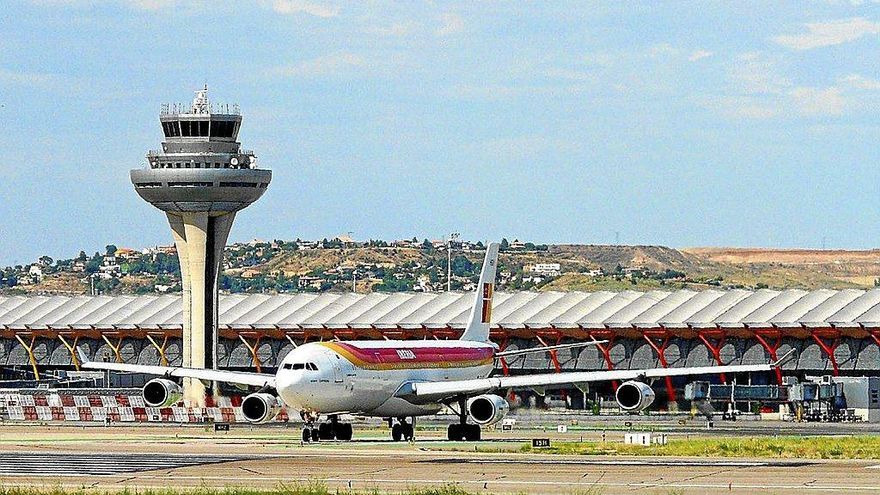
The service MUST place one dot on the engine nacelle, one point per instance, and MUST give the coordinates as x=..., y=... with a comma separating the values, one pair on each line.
x=260, y=407
x=633, y=396
x=161, y=392
x=488, y=409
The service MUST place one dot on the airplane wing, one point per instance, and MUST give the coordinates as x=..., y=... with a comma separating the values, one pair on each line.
x=422, y=392
x=236, y=377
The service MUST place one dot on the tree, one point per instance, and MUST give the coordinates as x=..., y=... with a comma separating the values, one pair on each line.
x=426, y=244
x=111, y=250
x=504, y=244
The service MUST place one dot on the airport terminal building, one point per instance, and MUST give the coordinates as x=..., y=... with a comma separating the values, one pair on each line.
x=834, y=332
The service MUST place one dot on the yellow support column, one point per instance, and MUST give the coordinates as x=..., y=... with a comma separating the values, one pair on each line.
x=72, y=350
x=30, y=351
x=163, y=359
x=253, y=349
x=114, y=347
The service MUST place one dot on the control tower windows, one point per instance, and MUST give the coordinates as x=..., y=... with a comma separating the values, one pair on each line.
x=170, y=129
x=222, y=128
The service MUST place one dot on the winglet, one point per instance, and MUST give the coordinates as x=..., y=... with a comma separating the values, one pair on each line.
x=477, y=328
x=784, y=359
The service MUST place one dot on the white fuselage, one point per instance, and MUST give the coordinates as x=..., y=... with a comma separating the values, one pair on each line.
x=362, y=377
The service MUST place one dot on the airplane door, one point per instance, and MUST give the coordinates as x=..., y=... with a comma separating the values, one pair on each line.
x=335, y=363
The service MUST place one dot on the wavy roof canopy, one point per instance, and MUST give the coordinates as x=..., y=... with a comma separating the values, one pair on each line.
x=590, y=310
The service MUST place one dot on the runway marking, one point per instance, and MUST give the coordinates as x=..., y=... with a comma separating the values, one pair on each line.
x=51, y=464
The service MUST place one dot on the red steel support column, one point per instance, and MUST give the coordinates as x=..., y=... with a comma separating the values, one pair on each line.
x=828, y=349
x=876, y=336
x=715, y=349
x=605, y=349
x=661, y=355
x=553, y=357
x=772, y=350
x=505, y=370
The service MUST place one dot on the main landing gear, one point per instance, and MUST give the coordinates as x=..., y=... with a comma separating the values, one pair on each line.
x=403, y=430
x=330, y=430
x=463, y=431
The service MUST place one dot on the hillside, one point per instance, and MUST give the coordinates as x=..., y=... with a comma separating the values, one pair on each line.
x=332, y=266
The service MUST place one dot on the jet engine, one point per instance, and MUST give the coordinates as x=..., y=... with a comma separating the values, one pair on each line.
x=260, y=407
x=161, y=392
x=488, y=409
x=633, y=396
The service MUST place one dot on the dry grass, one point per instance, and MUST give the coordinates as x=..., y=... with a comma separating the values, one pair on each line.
x=788, y=447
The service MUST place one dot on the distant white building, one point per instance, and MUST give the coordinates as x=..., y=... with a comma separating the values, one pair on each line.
x=35, y=273
x=548, y=269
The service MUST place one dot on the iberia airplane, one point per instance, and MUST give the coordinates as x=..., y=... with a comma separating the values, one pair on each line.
x=398, y=379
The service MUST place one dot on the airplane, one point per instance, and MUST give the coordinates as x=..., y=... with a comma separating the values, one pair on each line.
x=400, y=379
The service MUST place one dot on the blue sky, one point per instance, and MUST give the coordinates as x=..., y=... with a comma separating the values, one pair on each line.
x=676, y=123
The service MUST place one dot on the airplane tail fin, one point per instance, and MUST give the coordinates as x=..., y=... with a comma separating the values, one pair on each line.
x=477, y=328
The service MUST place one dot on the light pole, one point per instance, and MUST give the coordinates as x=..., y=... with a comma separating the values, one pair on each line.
x=453, y=236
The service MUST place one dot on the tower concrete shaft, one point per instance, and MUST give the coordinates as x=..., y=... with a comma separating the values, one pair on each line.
x=200, y=239
x=200, y=179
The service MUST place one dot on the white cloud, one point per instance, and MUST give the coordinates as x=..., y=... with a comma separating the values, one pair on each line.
x=754, y=73
x=856, y=81
x=452, y=24
x=829, y=33
x=818, y=101
x=334, y=63
x=288, y=7
x=699, y=55
x=662, y=50
x=747, y=107
x=24, y=78
x=396, y=29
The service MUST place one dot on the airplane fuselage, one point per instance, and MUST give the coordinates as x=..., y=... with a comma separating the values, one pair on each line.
x=362, y=377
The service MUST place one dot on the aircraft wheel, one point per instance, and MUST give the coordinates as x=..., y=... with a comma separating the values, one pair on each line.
x=325, y=431
x=307, y=435
x=397, y=432
x=344, y=431
x=316, y=435
x=408, y=432
x=455, y=432
x=472, y=433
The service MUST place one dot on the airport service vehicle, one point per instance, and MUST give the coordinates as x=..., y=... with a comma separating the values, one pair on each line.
x=400, y=379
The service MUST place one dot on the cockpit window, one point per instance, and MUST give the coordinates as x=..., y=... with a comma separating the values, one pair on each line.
x=299, y=366
x=286, y=366
x=311, y=366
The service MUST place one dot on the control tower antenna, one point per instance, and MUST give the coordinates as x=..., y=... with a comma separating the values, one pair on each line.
x=200, y=179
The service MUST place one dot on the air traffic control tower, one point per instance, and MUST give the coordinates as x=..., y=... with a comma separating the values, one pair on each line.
x=200, y=179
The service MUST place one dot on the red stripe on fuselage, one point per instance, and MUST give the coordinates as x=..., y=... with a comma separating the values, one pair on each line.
x=412, y=357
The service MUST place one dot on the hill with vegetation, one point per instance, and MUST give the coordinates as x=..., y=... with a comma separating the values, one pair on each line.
x=412, y=265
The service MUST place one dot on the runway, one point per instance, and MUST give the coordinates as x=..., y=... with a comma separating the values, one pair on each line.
x=267, y=458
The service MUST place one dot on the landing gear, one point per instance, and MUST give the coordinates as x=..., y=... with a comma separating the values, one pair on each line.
x=402, y=430
x=330, y=430
x=463, y=431
x=334, y=430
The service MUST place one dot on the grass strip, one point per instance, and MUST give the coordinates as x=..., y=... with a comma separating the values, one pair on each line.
x=785, y=447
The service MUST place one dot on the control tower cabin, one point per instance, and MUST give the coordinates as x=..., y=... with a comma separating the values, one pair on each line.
x=200, y=179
